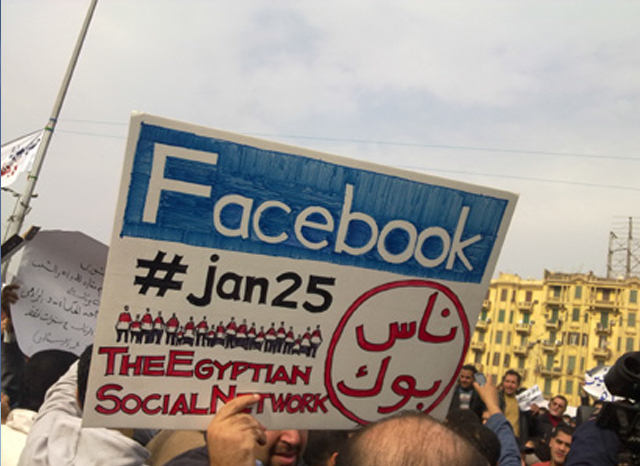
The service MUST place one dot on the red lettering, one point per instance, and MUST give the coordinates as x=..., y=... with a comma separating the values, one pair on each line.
x=136, y=399
x=180, y=405
x=204, y=369
x=145, y=404
x=175, y=359
x=125, y=365
x=101, y=395
x=216, y=394
x=194, y=407
x=153, y=366
x=238, y=368
x=298, y=373
x=111, y=352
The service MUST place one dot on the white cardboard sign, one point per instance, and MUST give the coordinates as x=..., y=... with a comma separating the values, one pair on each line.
x=60, y=277
x=338, y=290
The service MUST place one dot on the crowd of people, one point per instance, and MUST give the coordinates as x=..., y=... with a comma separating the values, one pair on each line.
x=43, y=397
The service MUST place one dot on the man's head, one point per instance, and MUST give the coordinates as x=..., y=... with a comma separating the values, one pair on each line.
x=560, y=444
x=283, y=447
x=466, y=376
x=510, y=382
x=409, y=438
x=557, y=406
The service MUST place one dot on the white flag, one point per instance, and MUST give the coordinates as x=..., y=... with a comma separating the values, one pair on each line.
x=18, y=155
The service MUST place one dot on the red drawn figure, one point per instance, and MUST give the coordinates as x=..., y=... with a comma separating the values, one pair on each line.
x=147, y=326
x=123, y=324
x=136, y=330
x=211, y=336
x=201, y=332
x=220, y=334
x=404, y=336
x=305, y=345
x=259, y=339
x=230, y=334
x=280, y=337
x=251, y=337
x=189, y=332
x=171, y=330
x=316, y=341
x=288, y=341
x=270, y=339
x=158, y=328
x=241, y=336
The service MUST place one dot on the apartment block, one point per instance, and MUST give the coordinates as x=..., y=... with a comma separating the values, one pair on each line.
x=555, y=329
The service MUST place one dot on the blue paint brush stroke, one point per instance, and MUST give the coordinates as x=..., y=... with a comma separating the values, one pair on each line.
x=301, y=182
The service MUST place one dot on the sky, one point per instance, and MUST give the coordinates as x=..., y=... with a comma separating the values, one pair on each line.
x=540, y=98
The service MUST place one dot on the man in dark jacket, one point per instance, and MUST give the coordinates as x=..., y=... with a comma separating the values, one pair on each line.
x=464, y=395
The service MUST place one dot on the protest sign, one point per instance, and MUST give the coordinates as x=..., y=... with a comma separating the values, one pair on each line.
x=60, y=279
x=529, y=397
x=338, y=290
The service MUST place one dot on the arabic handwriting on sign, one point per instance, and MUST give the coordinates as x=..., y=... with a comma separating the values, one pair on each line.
x=373, y=391
x=408, y=392
x=407, y=330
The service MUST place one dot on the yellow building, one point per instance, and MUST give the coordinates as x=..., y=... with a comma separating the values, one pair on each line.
x=555, y=329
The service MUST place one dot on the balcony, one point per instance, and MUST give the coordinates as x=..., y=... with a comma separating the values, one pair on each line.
x=604, y=304
x=603, y=329
x=552, y=324
x=482, y=325
x=521, y=350
x=486, y=304
x=550, y=372
x=601, y=353
x=478, y=346
x=526, y=306
x=549, y=346
x=523, y=328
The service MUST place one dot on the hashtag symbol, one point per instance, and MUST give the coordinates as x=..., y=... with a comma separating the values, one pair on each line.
x=156, y=267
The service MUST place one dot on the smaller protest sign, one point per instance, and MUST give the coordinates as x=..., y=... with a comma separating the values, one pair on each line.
x=594, y=384
x=60, y=278
x=529, y=397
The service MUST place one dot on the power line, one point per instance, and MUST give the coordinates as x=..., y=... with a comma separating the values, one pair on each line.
x=411, y=144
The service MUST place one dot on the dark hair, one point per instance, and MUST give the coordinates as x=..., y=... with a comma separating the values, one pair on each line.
x=469, y=367
x=564, y=428
x=322, y=444
x=409, y=438
x=42, y=370
x=481, y=437
x=512, y=372
x=83, y=373
x=458, y=417
x=566, y=402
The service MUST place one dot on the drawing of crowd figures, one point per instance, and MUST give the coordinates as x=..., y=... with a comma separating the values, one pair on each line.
x=150, y=330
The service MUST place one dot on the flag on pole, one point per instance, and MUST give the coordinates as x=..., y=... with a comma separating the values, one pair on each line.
x=18, y=155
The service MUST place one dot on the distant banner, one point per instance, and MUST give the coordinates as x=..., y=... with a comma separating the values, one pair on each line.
x=18, y=155
x=338, y=290
x=529, y=397
x=60, y=279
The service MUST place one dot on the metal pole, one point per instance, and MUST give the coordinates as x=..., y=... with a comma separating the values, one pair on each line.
x=15, y=221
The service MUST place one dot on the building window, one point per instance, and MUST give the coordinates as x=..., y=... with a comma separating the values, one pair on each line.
x=585, y=339
x=630, y=344
x=586, y=318
x=575, y=315
x=552, y=336
x=569, y=387
x=511, y=317
x=556, y=291
x=508, y=338
x=547, y=386
x=501, y=315
x=571, y=364
x=528, y=296
x=574, y=339
x=606, y=295
x=483, y=315
x=581, y=364
x=507, y=360
x=478, y=358
x=633, y=296
x=494, y=379
x=480, y=336
x=496, y=359
x=631, y=320
x=498, y=339
x=550, y=361
x=554, y=315
x=619, y=344
x=520, y=363
x=525, y=318
x=503, y=295
x=578, y=293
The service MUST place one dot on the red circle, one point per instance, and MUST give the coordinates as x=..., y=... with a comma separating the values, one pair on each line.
x=337, y=334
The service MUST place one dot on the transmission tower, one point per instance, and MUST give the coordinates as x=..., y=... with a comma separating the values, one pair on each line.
x=623, y=259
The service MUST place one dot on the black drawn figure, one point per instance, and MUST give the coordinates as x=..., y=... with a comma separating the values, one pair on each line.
x=230, y=334
x=201, y=332
x=189, y=332
x=270, y=339
x=289, y=339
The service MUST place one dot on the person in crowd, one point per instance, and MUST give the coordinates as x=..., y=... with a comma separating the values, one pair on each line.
x=466, y=424
x=409, y=438
x=519, y=420
x=544, y=423
x=323, y=446
x=559, y=445
x=464, y=395
x=13, y=361
x=235, y=438
x=57, y=436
